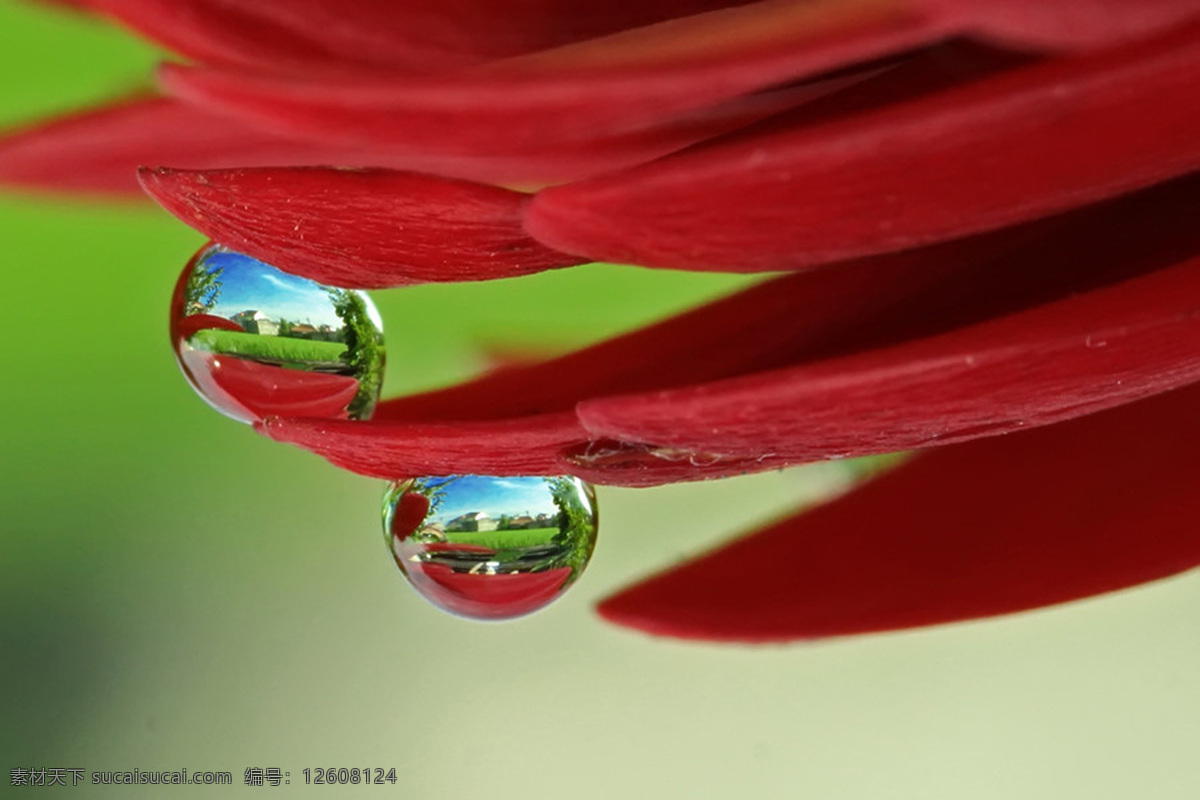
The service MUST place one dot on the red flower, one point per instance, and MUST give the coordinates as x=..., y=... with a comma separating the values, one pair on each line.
x=997, y=196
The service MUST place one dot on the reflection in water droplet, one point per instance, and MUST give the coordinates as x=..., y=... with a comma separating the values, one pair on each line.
x=256, y=342
x=490, y=548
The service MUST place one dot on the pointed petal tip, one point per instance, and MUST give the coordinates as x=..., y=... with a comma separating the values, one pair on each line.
x=617, y=609
x=638, y=610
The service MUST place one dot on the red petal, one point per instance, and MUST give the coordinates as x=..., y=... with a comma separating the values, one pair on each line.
x=1064, y=359
x=983, y=156
x=339, y=227
x=799, y=317
x=358, y=228
x=100, y=149
x=303, y=34
x=390, y=33
x=620, y=85
x=754, y=329
x=525, y=446
x=993, y=527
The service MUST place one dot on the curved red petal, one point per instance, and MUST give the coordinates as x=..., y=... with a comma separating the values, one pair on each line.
x=1011, y=148
x=383, y=449
x=358, y=228
x=617, y=86
x=399, y=35
x=1044, y=365
x=991, y=527
x=393, y=34
x=100, y=149
x=215, y=32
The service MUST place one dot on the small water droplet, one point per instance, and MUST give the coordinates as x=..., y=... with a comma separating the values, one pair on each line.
x=255, y=341
x=490, y=548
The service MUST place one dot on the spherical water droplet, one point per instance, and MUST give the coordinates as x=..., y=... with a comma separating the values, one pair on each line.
x=257, y=342
x=490, y=548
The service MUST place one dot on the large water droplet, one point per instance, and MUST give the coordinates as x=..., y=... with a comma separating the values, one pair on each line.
x=257, y=342
x=490, y=548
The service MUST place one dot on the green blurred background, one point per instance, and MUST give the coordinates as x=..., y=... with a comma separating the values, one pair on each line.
x=178, y=592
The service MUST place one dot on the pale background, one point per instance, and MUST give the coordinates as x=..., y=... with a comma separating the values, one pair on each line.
x=177, y=592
